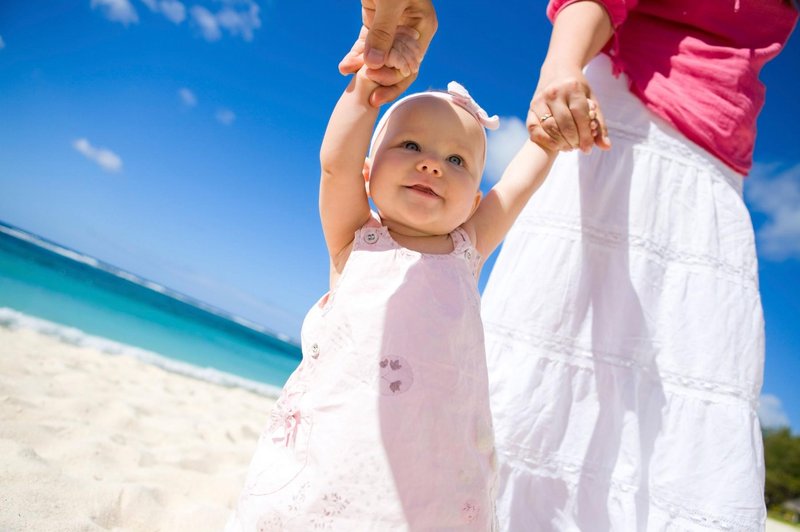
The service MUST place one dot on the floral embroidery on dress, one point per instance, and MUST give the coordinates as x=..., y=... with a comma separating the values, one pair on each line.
x=270, y=523
x=298, y=498
x=285, y=420
x=470, y=511
x=333, y=505
x=396, y=375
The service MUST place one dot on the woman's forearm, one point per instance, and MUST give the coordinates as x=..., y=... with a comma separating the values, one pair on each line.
x=579, y=33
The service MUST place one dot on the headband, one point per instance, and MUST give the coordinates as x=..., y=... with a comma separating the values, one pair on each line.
x=455, y=94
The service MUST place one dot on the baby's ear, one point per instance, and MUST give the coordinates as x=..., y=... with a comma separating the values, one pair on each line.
x=365, y=172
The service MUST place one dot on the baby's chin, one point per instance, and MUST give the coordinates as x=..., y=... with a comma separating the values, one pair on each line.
x=416, y=228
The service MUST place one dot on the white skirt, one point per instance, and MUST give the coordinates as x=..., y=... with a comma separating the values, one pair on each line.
x=625, y=339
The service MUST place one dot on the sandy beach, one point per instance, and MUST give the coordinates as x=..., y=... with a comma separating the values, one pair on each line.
x=91, y=441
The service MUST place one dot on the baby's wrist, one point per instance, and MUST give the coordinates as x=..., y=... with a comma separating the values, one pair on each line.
x=363, y=83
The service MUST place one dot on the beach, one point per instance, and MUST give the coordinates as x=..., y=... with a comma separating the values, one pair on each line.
x=94, y=441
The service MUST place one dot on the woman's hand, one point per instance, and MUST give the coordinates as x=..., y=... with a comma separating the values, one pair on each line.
x=560, y=117
x=382, y=18
x=403, y=59
x=563, y=114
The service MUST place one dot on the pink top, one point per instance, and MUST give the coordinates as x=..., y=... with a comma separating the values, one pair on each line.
x=695, y=63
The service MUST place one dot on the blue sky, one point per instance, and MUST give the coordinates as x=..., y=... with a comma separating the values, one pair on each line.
x=179, y=140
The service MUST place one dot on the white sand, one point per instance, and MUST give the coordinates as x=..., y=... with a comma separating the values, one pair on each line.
x=91, y=441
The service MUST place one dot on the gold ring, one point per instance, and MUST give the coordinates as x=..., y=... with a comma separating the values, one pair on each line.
x=545, y=117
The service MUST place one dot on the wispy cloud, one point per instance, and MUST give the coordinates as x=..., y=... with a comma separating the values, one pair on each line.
x=172, y=10
x=775, y=192
x=504, y=143
x=209, y=27
x=117, y=10
x=187, y=97
x=225, y=116
x=2, y=43
x=771, y=413
x=237, y=17
x=107, y=159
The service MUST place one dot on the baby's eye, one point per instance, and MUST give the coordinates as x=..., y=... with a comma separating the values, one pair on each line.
x=411, y=145
x=456, y=160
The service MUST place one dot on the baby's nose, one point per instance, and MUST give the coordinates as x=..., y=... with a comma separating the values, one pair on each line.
x=429, y=167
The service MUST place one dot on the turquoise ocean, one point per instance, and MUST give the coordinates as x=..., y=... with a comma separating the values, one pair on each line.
x=81, y=300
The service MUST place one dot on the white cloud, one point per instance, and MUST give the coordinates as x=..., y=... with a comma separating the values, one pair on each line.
x=2, y=43
x=173, y=10
x=240, y=21
x=238, y=17
x=226, y=116
x=771, y=413
x=234, y=17
x=209, y=26
x=775, y=192
x=187, y=97
x=117, y=10
x=107, y=159
x=504, y=143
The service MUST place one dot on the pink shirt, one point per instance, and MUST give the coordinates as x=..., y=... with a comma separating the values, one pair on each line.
x=695, y=63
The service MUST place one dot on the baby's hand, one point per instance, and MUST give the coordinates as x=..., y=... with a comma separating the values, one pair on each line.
x=594, y=123
x=403, y=59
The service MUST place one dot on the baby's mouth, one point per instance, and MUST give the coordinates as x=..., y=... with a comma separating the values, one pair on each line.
x=424, y=190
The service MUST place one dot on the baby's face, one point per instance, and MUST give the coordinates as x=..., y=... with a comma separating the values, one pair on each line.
x=427, y=167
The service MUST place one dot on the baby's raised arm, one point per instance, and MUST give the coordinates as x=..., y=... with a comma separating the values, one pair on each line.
x=522, y=177
x=501, y=206
x=343, y=202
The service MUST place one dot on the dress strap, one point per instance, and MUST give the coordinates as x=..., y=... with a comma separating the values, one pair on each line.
x=462, y=245
x=373, y=234
x=374, y=220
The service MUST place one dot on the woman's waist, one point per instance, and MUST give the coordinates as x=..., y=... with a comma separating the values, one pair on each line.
x=629, y=118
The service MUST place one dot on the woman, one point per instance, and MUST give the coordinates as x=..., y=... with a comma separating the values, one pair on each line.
x=625, y=379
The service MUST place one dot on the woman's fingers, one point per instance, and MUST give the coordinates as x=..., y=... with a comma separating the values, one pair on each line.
x=565, y=112
x=405, y=54
x=354, y=59
x=541, y=131
x=562, y=124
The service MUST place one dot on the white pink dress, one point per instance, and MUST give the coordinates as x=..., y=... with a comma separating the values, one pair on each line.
x=385, y=425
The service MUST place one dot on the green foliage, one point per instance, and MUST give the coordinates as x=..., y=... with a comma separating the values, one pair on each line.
x=782, y=457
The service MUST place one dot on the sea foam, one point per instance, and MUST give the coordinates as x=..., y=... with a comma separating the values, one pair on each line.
x=12, y=319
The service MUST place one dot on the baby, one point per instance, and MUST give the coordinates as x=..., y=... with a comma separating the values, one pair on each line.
x=385, y=425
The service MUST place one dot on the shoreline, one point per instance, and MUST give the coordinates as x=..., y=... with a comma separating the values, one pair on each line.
x=14, y=320
x=96, y=441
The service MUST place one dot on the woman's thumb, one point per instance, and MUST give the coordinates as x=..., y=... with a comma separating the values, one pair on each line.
x=381, y=32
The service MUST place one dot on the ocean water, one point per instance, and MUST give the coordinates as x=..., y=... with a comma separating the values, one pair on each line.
x=84, y=301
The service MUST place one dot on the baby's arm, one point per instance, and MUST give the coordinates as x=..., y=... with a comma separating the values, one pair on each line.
x=522, y=177
x=501, y=206
x=343, y=202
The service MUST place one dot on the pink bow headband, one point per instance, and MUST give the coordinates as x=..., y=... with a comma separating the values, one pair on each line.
x=456, y=94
